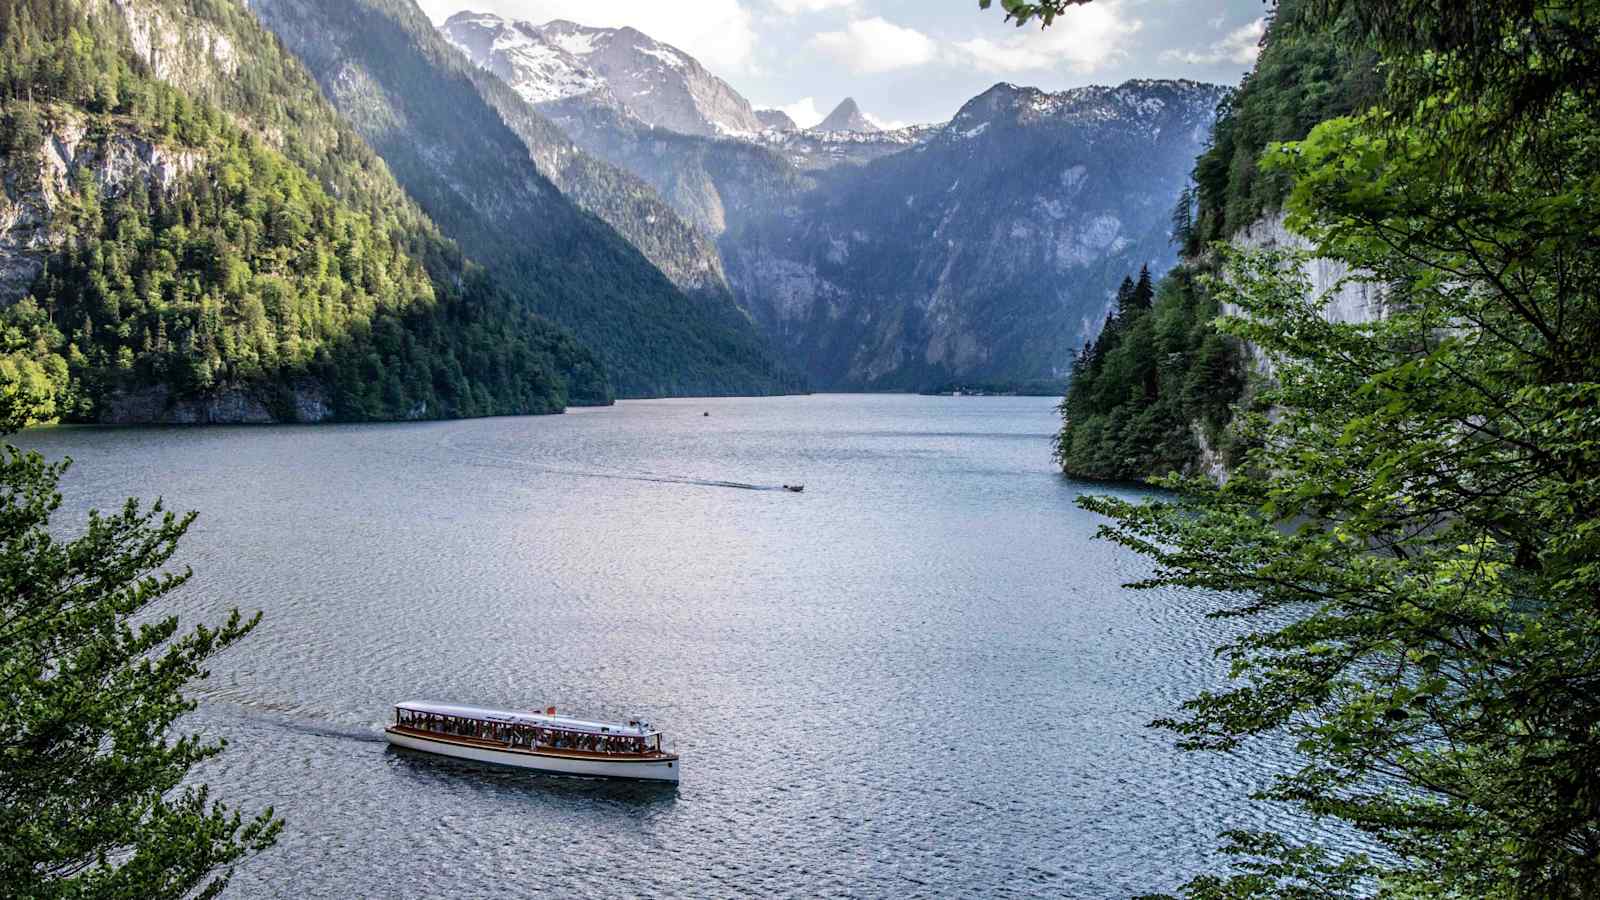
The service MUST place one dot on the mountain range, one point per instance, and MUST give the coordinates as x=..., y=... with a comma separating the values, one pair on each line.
x=590, y=191
x=986, y=248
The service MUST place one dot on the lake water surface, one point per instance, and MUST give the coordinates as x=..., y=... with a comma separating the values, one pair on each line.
x=920, y=677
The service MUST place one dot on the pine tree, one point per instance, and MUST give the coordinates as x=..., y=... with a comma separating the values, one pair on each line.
x=93, y=800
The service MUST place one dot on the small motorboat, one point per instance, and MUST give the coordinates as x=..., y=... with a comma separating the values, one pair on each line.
x=794, y=488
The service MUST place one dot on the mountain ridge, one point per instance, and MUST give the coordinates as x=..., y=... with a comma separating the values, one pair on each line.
x=218, y=245
x=1001, y=276
x=990, y=249
x=802, y=217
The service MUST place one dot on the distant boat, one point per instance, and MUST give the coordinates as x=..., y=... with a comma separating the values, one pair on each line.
x=794, y=488
x=543, y=742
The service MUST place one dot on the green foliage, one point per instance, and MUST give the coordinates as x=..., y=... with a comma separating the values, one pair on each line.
x=1414, y=534
x=1118, y=427
x=32, y=379
x=94, y=796
x=246, y=273
x=1304, y=75
x=1157, y=366
x=1022, y=12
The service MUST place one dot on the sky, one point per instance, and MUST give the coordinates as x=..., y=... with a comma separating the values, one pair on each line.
x=915, y=61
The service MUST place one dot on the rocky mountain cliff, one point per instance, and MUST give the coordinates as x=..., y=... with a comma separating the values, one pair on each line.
x=189, y=233
x=776, y=119
x=657, y=83
x=988, y=251
x=912, y=257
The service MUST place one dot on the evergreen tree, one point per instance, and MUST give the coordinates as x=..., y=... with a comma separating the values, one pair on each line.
x=1412, y=536
x=93, y=794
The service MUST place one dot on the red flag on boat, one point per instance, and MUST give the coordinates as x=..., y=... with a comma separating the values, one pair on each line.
x=551, y=711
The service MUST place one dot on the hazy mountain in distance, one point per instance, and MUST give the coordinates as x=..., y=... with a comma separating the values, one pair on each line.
x=989, y=251
x=847, y=116
x=777, y=119
x=985, y=248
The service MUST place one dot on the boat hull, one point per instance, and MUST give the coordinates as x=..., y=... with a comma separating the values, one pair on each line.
x=664, y=768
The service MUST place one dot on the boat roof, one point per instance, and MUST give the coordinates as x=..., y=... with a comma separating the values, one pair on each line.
x=525, y=717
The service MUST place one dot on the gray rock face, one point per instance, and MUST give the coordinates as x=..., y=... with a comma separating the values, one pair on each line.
x=847, y=116
x=989, y=249
x=776, y=119
x=816, y=150
x=1351, y=301
x=985, y=248
x=118, y=162
x=657, y=83
x=307, y=402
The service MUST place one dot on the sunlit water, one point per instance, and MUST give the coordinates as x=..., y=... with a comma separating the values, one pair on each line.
x=920, y=677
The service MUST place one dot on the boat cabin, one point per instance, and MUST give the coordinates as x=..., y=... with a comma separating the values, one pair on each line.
x=536, y=732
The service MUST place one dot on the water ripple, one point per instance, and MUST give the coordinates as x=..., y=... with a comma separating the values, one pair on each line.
x=923, y=679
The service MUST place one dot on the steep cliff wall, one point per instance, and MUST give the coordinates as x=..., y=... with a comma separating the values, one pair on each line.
x=988, y=252
x=37, y=184
x=1348, y=302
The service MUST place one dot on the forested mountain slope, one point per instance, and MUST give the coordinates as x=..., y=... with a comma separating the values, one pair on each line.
x=415, y=100
x=1156, y=391
x=189, y=233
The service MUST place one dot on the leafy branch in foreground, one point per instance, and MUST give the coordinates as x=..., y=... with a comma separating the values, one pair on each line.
x=93, y=794
x=1023, y=12
x=1425, y=515
x=1413, y=540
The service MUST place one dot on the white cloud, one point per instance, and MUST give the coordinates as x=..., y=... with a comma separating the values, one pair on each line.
x=1084, y=40
x=804, y=112
x=1241, y=45
x=885, y=124
x=719, y=33
x=874, y=45
x=795, y=7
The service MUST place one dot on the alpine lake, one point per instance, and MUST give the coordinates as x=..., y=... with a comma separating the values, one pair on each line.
x=920, y=677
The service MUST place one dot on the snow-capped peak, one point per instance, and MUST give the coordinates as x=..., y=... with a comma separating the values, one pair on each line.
x=660, y=84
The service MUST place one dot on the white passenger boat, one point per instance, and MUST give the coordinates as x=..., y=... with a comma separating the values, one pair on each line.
x=544, y=742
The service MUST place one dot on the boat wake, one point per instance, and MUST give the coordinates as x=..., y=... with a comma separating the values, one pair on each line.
x=264, y=716
x=512, y=462
x=323, y=729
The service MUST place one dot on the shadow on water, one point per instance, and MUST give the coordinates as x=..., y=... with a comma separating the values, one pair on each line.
x=501, y=779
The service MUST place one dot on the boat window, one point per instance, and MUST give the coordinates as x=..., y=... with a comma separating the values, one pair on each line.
x=527, y=736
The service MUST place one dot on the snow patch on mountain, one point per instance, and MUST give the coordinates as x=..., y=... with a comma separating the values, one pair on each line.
x=654, y=82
